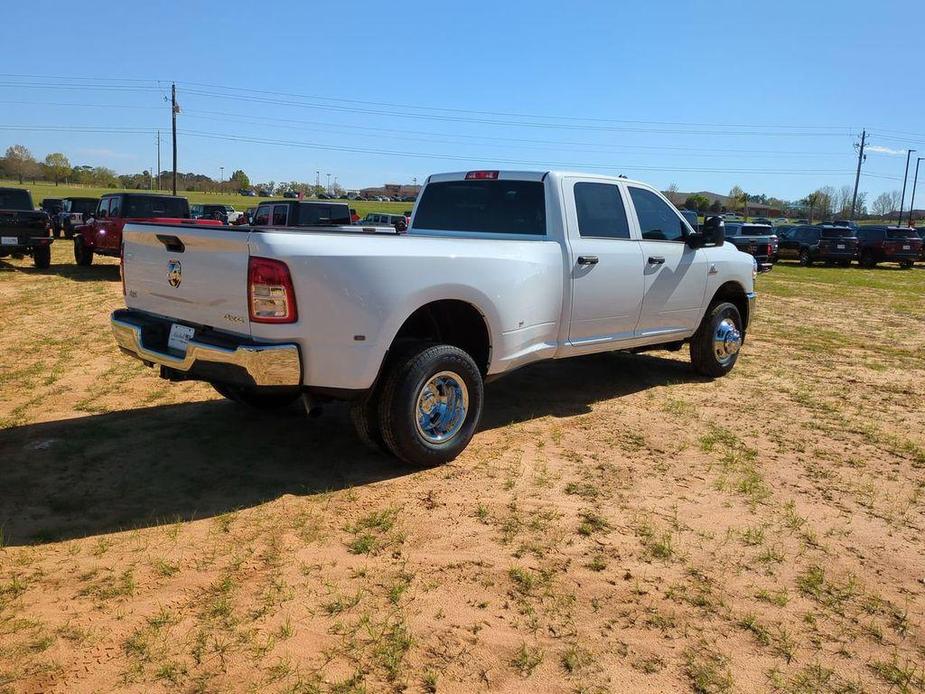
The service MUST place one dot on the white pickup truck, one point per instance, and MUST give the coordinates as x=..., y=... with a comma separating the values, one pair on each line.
x=498, y=269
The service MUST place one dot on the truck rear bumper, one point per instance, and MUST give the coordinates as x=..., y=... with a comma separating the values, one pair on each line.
x=209, y=356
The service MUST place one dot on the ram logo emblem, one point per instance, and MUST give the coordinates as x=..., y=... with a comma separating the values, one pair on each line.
x=174, y=273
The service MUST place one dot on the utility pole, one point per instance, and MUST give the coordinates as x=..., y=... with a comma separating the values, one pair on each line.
x=173, y=118
x=158, y=160
x=915, y=180
x=902, y=200
x=329, y=183
x=221, y=179
x=857, y=176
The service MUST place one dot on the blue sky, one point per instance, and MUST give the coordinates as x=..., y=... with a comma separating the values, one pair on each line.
x=705, y=95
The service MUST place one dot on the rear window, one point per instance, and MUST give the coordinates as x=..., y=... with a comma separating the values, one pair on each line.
x=487, y=207
x=83, y=206
x=153, y=206
x=15, y=200
x=311, y=214
x=901, y=234
x=839, y=233
x=756, y=231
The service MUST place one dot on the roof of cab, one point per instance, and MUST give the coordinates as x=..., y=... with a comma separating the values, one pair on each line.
x=515, y=175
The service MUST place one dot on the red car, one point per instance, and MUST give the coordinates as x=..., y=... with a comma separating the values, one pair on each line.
x=102, y=234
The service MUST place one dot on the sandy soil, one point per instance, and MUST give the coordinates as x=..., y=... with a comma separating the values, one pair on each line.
x=618, y=524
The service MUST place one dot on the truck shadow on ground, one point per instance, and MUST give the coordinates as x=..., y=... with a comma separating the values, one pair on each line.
x=154, y=465
x=73, y=272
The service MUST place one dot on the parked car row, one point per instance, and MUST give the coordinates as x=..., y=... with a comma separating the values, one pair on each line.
x=868, y=245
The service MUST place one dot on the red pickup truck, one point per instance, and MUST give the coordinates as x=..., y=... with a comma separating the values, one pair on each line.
x=102, y=234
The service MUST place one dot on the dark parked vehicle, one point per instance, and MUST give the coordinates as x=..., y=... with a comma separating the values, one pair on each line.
x=783, y=231
x=290, y=195
x=758, y=240
x=23, y=229
x=301, y=213
x=74, y=211
x=828, y=244
x=222, y=213
x=52, y=206
x=888, y=244
x=921, y=233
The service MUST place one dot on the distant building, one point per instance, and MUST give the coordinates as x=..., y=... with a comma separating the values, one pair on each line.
x=392, y=190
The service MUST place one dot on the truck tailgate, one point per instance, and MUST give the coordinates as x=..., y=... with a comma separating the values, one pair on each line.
x=192, y=275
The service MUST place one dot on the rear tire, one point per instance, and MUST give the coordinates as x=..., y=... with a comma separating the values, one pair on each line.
x=82, y=255
x=806, y=260
x=431, y=404
x=364, y=415
x=905, y=264
x=255, y=398
x=867, y=260
x=41, y=256
x=715, y=346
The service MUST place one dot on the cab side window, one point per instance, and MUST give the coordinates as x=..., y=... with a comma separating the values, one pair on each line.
x=103, y=210
x=600, y=211
x=280, y=215
x=657, y=220
x=262, y=216
x=115, y=207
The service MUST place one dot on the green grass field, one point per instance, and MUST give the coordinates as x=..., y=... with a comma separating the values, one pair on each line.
x=239, y=202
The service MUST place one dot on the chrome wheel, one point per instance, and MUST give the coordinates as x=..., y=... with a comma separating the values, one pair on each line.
x=726, y=341
x=441, y=406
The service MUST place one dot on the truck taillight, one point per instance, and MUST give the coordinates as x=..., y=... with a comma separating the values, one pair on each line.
x=270, y=295
x=482, y=176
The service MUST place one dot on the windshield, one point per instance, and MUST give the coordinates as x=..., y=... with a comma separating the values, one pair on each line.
x=155, y=206
x=489, y=207
x=15, y=200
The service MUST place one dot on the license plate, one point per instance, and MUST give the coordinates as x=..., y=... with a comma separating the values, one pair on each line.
x=840, y=246
x=906, y=248
x=180, y=335
x=9, y=241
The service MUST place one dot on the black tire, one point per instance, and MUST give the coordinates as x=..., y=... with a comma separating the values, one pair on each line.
x=704, y=355
x=806, y=260
x=905, y=264
x=255, y=398
x=867, y=260
x=56, y=231
x=41, y=256
x=364, y=415
x=844, y=263
x=82, y=255
x=405, y=380
x=68, y=230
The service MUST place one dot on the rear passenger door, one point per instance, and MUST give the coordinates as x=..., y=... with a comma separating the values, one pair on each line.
x=675, y=273
x=606, y=264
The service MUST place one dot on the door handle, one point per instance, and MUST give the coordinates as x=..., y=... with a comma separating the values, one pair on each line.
x=656, y=260
x=588, y=260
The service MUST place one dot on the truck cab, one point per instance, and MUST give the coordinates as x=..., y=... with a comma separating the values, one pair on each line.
x=301, y=213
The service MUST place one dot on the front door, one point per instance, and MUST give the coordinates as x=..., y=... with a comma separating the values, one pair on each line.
x=606, y=264
x=675, y=274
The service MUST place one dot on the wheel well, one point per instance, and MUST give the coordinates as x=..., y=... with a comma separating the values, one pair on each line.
x=450, y=322
x=734, y=294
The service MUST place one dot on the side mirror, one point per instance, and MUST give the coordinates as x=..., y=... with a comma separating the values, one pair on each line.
x=712, y=233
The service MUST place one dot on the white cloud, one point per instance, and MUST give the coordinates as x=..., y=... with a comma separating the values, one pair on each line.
x=877, y=149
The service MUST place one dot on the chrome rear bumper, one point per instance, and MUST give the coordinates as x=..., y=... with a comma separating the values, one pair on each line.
x=263, y=364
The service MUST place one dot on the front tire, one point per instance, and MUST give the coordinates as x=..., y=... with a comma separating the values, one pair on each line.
x=715, y=346
x=256, y=399
x=41, y=256
x=905, y=264
x=867, y=260
x=82, y=255
x=431, y=404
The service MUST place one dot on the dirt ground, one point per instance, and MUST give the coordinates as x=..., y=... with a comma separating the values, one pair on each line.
x=617, y=525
